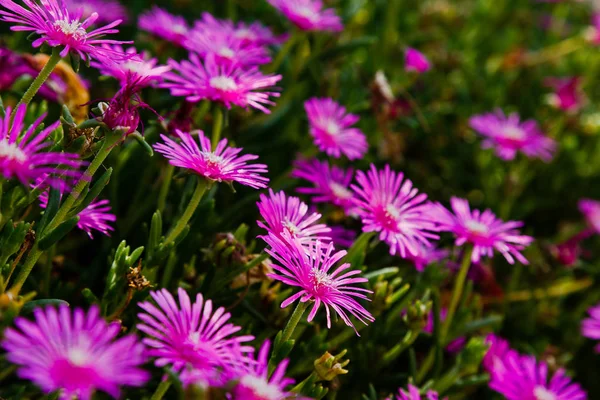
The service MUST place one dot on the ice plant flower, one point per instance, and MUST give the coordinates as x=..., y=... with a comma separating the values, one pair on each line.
x=426, y=256
x=483, y=230
x=254, y=34
x=162, y=24
x=590, y=327
x=390, y=205
x=331, y=184
x=415, y=61
x=60, y=28
x=224, y=164
x=591, y=211
x=112, y=10
x=22, y=154
x=191, y=335
x=522, y=377
x=309, y=15
x=76, y=353
x=330, y=127
x=342, y=237
x=253, y=382
x=227, y=84
x=414, y=394
x=509, y=135
x=567, y=94
x=287, y=214
x=320, y=282
x=496, y=353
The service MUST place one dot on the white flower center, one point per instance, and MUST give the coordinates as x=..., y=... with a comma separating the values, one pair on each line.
x=211, y=158
x=340, y=191
x=224, y=83
x=392, y=211
x=226, y=52
x=320, y=278
x=244, y=34
x=72, y=28
x=541, y=393
x=78, y=357
x=513, y=132
x=12, y=152
x=306, y=12
x=476, y=227
x=332, y=128
x=179, y=29
x=290, y=227
x=261, y=388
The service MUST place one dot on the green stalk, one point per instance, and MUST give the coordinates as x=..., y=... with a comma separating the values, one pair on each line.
x=39, y=80
x=217, y=127
x=283, y=52
x=189, y=211
x=456, y=293
x=164, y=188
x=161, y=390
x=286, y=334
x=395, y=351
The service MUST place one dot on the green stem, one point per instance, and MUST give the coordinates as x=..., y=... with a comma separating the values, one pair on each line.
x=286, y=334
x=161, y=390
x=217, y=127
x=39, y=80
x=166, y=185
x=456, y=293
x=395, y=351
x=189, y=211
x=283, y=52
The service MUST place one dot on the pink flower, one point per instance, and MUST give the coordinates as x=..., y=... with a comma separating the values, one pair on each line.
x=330, y=126
x=111, y=9
x=310, y=269
x=164, y=25
x=567, y=93
x=254, y=34
x=221, y=165
x=138, y=70
x=122, y=112
x=391, y=206
x=227, y=84
x=191, y=335
x=590, y=327
x=76, y=354
x=496, y=353
x=416, y=61
x=22, y=155
x=426, y=256
x=414, y=394
x=58, y=27
x=330, y=184
x=508, y=135
x=522, y=377
x=342, y=237
x=309, y=15
x=483, y=231
x=591, y=211
x=593, y=32
x=287, y=214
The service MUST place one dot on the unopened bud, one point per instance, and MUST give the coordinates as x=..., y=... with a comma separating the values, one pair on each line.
x=328, y=366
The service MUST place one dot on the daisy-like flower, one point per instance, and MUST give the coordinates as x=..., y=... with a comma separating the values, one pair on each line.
x=309, y=15
x=254, y=34
x=253, y=382
x=483, y=230
x=416, y=61
x=414, y=394
x=567, y=93
x=139, y=70
x=227, y=84
x=508, y=135
x=591, y=211
x=111, y=9
x=191, y=335
x=426, y=256
x=75, y=353
x=224, y=164
x=60, y=28
x=330, y=126
x=22, y=155
x=496, y=353
x=522, y=377
x=390, y=205
x=162, y=24
x=226, y=49
x=590, y=327
x=330, y=183
x=312, y=269
x=289, y=215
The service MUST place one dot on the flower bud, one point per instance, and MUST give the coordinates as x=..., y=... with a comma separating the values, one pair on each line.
x=328, y=366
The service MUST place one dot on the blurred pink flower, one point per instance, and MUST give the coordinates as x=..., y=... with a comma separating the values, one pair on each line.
x=567, y=93
x=416, y=61
x=164, y=25
x=111, y=9
x=591, y=211
x=414, y=394
x=309, y=15
x=254, y=34
x=426, y=256
x=590, y=327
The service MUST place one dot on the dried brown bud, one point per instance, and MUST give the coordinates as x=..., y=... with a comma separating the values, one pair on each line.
x=136, y=280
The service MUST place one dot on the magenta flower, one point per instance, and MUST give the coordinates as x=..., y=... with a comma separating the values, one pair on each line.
x=58, y=27
x=309, y=15
x=590, y=327
x=567, y=94
x=164, y=25
x=593, y=33
x=139, y=70
x=508, y=135
x=76, y=354
x=591, y=211
x=330, y=183
x=483, y=230
x=414, y=394
x=221, y=165
x=22, y=155
x=312, y=270
x=227, y=84
x=191, y=336
x=496, y=353
x=287, y=214
x=226, y=49
x=389, y=204
x=522, y=377
x=330, y=126
x=122, y=111
x=254, y=34
x=342, y=237
x=416, y=61
x=426, y=256
x=112, y=10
